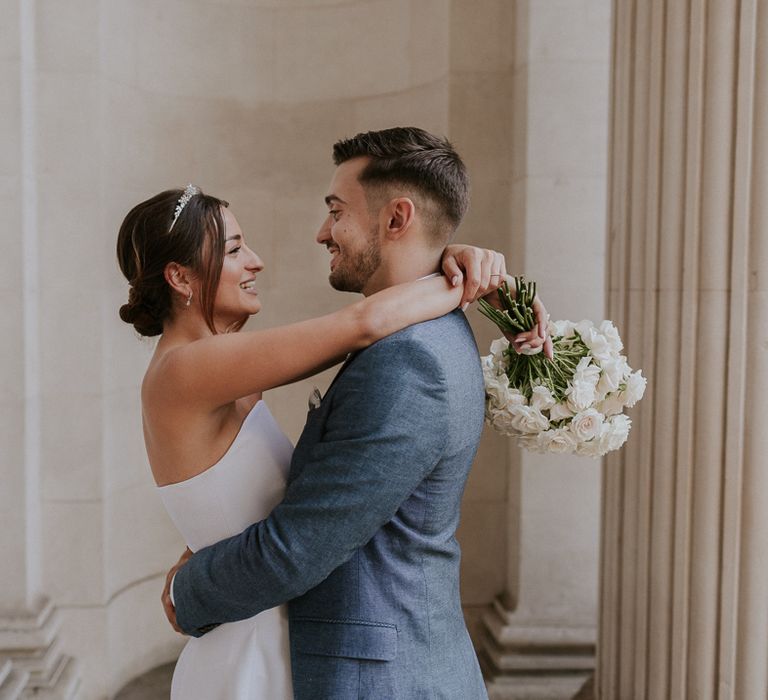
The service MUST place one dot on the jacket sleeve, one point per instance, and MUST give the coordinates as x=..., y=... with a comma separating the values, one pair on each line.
x=384, y=434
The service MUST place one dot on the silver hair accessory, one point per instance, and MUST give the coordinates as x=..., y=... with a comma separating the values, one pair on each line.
x=189, y=191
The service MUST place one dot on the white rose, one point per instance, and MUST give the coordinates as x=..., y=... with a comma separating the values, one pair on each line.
x=501, y=421
x=635, y=388
x=489, y=371
x=560, y=411
x=497, y=389
x=617, y=433
x=611, y=377
x=582, y=327
x=542, y=398
x=611, y=405
x=559, y=440
x=592, y=448
x=528, y=420
x=562, y=329
x=580, y=395
x=516, y=397
x=597, y=343
x=612, y=335
x=586, y=424
x=510, y=397
x=530, y=442
x=498, y=346
x=587, y=371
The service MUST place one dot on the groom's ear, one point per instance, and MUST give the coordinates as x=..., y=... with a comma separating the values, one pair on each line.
x=399, y=214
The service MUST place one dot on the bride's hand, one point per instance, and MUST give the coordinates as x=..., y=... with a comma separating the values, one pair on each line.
x=484, y=269
x=538, y=336
x=168, y=607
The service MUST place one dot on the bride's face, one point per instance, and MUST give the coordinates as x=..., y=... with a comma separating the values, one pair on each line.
x=236, y=295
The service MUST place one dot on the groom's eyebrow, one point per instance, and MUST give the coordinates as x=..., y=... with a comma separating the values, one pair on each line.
x=333, y=198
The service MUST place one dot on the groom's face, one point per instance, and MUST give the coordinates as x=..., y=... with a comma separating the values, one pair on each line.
x=350, y=231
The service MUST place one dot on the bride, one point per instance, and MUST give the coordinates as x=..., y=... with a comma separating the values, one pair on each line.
x=217, y=455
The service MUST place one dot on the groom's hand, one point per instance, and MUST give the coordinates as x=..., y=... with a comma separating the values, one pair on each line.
x=168, y=607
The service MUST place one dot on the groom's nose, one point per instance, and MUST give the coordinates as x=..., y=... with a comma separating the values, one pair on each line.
x=324, y=234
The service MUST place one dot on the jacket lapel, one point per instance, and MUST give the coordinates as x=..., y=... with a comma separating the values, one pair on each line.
x=346, y=364
x=313, y=427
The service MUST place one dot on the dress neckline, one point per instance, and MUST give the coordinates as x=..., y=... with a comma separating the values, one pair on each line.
x=229, y=449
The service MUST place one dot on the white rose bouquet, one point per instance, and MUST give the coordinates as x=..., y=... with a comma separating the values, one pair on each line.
x=573, y=403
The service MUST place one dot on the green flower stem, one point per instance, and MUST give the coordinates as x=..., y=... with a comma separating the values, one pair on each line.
x=526, y=371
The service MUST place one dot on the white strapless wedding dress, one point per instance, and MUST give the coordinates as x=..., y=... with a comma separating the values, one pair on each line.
x=250, y=659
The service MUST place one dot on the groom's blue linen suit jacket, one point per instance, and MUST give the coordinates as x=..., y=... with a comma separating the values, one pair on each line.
x=363, y=544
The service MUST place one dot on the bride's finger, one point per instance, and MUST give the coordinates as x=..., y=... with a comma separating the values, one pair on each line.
x=549, y=350
x=452, y=271
x=473, y=272
x=498, y=272
x=542, y=317
x=487, y=265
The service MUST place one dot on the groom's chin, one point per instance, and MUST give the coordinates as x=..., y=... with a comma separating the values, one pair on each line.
x=342, y=283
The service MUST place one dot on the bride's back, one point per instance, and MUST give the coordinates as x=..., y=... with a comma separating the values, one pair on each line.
x=184, y=438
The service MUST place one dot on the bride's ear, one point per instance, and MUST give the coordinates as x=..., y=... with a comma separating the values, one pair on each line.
x=179, y=279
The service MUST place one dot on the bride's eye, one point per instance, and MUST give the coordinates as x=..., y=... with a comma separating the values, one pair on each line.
x=234, y=251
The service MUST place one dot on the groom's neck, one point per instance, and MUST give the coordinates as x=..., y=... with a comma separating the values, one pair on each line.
x=403, y=268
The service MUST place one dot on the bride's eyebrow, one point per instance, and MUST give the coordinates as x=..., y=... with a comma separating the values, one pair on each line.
x=236, y=237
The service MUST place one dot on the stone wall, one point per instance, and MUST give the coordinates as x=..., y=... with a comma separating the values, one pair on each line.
x=114, y=101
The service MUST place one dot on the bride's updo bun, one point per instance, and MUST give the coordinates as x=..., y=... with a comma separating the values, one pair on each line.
x=147, y=243
x=145, y=318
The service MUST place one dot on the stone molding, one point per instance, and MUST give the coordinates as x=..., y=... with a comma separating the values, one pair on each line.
x=524, y=661
x=31, y=660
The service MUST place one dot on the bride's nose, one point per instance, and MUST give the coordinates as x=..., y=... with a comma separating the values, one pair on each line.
x=256, y=264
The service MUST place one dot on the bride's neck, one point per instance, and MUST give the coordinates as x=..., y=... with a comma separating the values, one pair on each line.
x=185, y=329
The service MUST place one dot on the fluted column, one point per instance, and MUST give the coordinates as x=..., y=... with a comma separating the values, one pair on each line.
x=537, y=640
x=684, y=579
x=31, y=661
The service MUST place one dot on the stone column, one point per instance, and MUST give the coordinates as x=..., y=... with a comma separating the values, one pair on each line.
x=31, y=661
x=540, y=633
x=684, y=580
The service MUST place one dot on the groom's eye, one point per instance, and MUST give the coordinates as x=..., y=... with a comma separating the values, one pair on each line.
x=335, y=214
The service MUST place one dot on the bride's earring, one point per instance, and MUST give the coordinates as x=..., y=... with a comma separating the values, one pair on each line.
x=189, y=299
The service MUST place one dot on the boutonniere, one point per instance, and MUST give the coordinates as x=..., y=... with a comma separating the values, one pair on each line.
x=314, y=398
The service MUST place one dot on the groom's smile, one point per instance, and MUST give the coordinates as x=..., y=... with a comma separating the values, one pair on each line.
x=335, y=252
x=350, y=230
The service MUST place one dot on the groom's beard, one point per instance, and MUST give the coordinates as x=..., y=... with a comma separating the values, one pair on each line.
x=351, y=274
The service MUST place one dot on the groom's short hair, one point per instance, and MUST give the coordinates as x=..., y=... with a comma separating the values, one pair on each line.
x=414, y=159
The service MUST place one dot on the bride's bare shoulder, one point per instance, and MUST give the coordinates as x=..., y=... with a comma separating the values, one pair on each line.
x=164, y=371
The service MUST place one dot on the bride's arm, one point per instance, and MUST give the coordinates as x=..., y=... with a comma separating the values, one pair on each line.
x=221, y=368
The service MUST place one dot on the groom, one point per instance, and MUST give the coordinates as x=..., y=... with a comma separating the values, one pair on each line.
x=363, y=544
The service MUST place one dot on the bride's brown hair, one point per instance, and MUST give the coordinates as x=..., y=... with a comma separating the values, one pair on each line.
x=146, y=243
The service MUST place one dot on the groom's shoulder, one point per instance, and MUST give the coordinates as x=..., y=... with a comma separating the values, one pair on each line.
x=433, y=343
x=451, y=328
x=439, y=352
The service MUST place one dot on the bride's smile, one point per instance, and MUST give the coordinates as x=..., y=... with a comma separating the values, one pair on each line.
x=237, y=295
